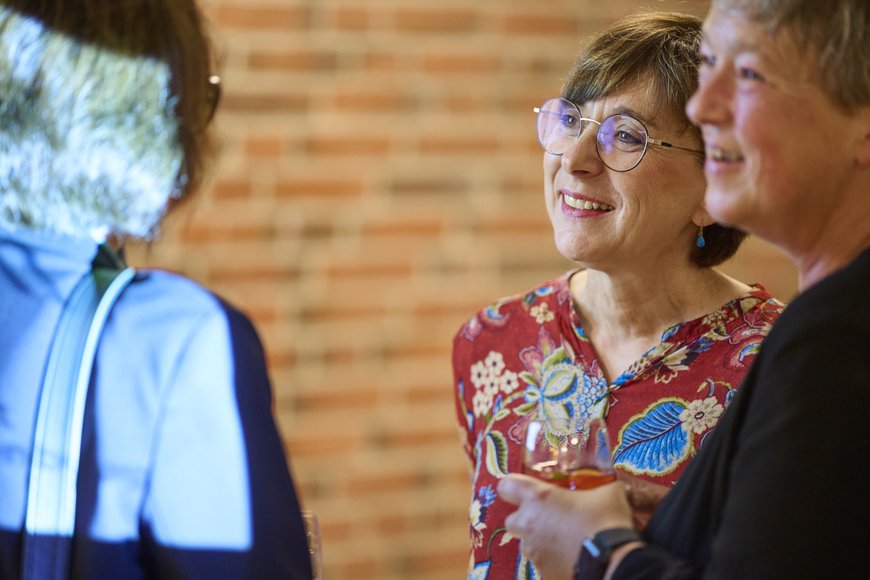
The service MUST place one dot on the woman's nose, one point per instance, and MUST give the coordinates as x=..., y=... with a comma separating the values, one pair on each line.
x=582, y=154
x=710, y=103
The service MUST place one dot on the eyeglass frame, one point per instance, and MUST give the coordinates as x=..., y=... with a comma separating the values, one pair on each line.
x=649, y=140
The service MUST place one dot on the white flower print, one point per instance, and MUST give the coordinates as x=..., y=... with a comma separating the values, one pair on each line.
x=474, y=515
x=494, y=362
x=490, y=377
x=701, y=414
x=509, y=382
x=506, y=537
x=491, y=389
x=479, y=374
x=541, y=313
x=482, y=403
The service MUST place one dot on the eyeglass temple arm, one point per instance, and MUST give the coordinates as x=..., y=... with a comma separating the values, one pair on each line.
x=661, y=143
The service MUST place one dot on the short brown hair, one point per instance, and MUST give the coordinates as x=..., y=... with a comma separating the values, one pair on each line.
x=836, y=32
x=662, y=48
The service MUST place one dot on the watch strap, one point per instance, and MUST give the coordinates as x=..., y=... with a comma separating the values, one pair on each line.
x=596, y=551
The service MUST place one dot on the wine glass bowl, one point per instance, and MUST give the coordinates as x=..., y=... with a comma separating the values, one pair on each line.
x=577, y=457
x=312, y=533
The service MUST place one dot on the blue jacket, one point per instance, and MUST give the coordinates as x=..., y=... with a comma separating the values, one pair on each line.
x=182, y=472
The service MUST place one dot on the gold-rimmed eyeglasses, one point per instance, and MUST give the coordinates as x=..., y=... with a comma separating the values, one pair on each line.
x=621, y=140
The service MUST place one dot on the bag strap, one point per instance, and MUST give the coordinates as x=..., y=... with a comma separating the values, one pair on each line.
x=51, y=496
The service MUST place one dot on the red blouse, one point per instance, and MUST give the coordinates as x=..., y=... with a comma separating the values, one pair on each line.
x=529, y=352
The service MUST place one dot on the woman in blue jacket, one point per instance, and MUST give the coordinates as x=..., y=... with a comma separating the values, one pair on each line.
x=103, y=114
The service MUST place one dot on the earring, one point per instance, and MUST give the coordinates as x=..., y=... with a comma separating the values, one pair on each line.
x=700, y=241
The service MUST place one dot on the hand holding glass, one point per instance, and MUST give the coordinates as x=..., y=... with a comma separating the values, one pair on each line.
x=576, y=459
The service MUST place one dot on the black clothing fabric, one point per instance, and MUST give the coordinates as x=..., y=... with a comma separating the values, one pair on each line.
x=778, y=491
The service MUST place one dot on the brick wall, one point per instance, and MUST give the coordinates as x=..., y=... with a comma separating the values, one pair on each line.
x=378, y=181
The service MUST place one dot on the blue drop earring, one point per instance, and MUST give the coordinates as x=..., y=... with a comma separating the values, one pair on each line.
x=700, y=241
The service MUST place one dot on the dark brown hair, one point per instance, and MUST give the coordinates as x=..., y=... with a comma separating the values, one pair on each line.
x=171, y=31
x=660, y=48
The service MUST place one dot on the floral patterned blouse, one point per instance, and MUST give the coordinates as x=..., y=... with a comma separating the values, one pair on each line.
x=529, y=352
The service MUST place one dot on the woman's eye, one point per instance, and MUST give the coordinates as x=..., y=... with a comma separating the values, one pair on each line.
x=750, y=74
x=706, y=59
x=629, y=137
x=569, y=121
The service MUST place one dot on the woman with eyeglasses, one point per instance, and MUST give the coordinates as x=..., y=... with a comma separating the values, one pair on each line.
x=779, y=490
x=162, y=459
x=646, y=333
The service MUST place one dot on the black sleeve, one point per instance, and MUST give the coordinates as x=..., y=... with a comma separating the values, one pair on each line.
x=790, y=499
x=797, y=505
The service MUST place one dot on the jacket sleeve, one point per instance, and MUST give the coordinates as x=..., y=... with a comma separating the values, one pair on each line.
x=221, y=502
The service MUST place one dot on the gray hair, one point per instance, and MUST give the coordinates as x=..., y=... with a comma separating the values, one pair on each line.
x=88, y=136
x=836, y=32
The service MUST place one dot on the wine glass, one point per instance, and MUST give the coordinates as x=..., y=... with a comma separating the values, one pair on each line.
x=577, y=456
x=312, y=532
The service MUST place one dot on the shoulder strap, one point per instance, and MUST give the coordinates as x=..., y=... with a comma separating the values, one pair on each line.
x=51, y=497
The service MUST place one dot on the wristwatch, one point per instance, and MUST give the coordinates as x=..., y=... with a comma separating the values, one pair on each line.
x=596, y=551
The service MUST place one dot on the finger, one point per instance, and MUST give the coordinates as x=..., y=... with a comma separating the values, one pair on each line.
x=515, y=488
x=511, y=523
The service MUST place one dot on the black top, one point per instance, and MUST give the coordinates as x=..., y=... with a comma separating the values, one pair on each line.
x=779, y=490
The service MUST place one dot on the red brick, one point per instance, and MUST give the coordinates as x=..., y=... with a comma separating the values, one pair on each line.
x=348, y=145
x=466, y=104
x=228, y=189
x=389, y=102
x=458, y=145
x=428, y=186
x=386, y=483
x=416, y=439
x=280, y=359
x=323, y=444
x=292, y=61
x=318, y=188
x=367, y=567
x=365, y=270
x=252, y=16
x=265, y=104
x=442, y=21
x=536, y=24
x=260, y=147
x=351, y=18
x=405, y=227
x=359, y=399
x=381, y=62
x=464, y=64
x=434, y=561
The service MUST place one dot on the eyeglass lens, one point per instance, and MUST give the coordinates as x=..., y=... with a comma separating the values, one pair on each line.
x=621, y=140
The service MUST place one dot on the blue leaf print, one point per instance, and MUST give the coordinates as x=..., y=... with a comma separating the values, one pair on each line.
x=668, y=333
x=526, y=570
x=703, y=344
x=560, y=382
x=748, y=350
x=654, y=442
x=469, y=416
x=480, y=571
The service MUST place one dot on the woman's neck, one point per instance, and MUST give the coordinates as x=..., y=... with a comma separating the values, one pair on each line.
x=625, y=314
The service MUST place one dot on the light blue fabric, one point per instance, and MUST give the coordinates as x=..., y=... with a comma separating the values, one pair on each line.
x=169, y=439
